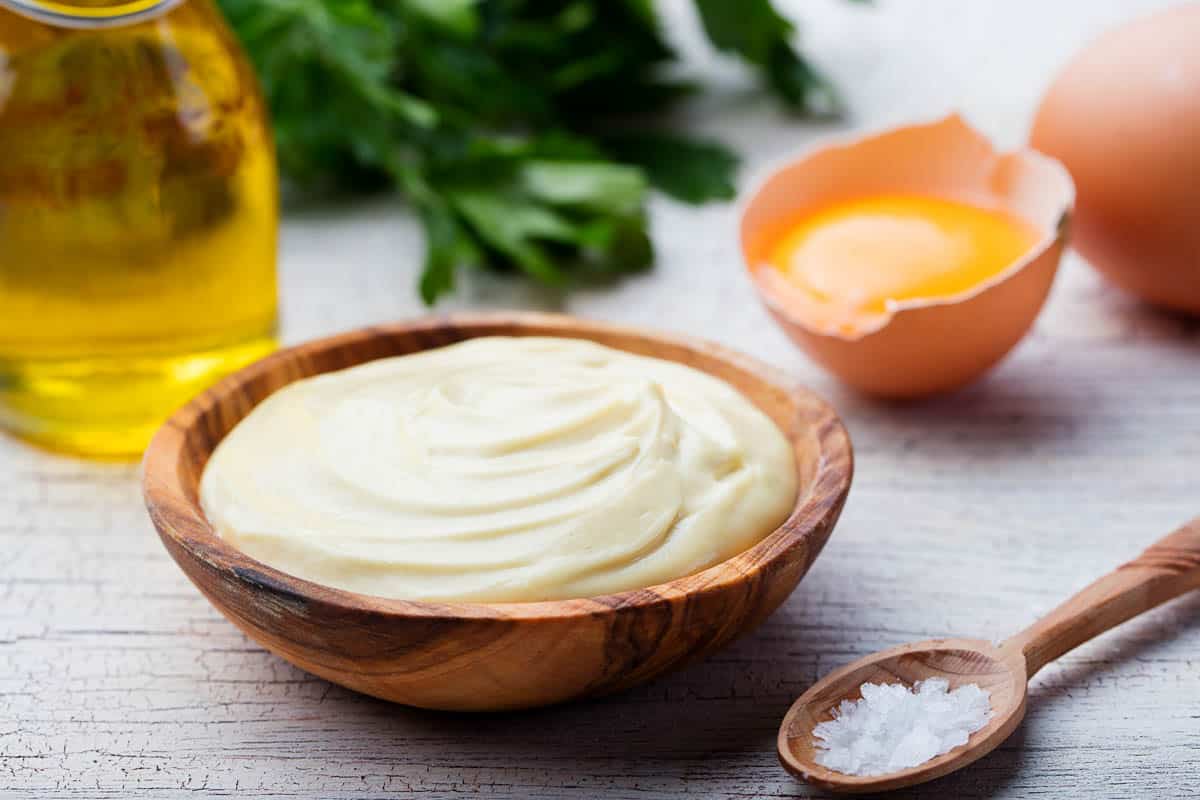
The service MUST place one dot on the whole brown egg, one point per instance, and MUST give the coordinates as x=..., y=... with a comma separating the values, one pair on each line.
x=1124, y=117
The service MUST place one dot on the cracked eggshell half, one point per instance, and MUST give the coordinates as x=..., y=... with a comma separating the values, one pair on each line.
x=920, y=346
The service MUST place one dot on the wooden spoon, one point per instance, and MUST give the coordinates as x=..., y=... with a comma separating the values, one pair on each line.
x=1166, y=570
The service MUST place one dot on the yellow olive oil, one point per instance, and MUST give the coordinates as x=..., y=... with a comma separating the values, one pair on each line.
x=138, y=218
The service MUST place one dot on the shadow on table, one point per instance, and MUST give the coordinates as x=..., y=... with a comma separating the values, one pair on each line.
x=704, y=724
x=713, y=721
x=997, y=418
x=1040, y=398
x=727, y=703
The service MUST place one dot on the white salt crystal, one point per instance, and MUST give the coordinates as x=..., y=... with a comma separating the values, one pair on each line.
x=892, y=728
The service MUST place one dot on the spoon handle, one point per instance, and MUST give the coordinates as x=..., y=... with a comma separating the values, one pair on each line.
x=1167, y=569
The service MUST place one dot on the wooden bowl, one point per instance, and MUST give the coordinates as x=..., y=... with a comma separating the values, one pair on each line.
x=489, y=656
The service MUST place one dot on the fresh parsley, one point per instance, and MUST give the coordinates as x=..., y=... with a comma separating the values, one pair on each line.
x=517, y=129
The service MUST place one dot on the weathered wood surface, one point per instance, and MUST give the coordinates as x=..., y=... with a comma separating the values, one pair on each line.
x=969, y=516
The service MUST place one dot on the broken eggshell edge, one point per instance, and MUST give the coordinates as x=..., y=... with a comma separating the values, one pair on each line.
x=916, y=347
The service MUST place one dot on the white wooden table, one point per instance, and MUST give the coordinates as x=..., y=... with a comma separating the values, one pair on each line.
x=969, y=515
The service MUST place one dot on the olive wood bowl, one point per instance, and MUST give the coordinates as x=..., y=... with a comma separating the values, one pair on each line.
x=491, y=656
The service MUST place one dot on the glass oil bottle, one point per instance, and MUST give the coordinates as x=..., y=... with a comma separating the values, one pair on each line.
x=138, y=216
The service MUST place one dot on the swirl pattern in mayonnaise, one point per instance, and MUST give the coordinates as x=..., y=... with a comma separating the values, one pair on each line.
x=501, y=469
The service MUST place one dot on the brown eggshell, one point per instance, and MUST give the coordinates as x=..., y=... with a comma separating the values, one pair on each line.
x=918, y=347
x=1124, y=117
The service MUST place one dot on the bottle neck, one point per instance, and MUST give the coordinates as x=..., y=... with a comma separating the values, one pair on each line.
x=88, y=13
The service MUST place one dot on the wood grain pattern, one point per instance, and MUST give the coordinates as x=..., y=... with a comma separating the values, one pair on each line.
x=490, y=656
x=1168, y=568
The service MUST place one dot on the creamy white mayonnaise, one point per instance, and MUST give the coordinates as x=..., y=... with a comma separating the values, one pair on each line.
x=501, y=469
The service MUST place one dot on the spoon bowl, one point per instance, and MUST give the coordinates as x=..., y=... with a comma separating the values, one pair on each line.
x=958, y=661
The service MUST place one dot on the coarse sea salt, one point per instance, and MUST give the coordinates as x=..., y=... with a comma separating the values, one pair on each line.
x=893, y=728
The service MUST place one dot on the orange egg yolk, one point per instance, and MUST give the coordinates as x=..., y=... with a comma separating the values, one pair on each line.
x=858, y=255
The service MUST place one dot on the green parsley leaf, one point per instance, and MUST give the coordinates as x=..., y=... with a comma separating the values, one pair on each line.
x=691, y=170
x=754, y=30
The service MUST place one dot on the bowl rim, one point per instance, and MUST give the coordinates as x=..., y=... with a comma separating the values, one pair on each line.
x=181, y=523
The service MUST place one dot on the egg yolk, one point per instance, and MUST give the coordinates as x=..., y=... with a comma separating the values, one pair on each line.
x=860, y=254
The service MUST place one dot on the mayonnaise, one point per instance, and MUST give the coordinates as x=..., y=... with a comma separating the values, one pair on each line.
x=501, y=469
